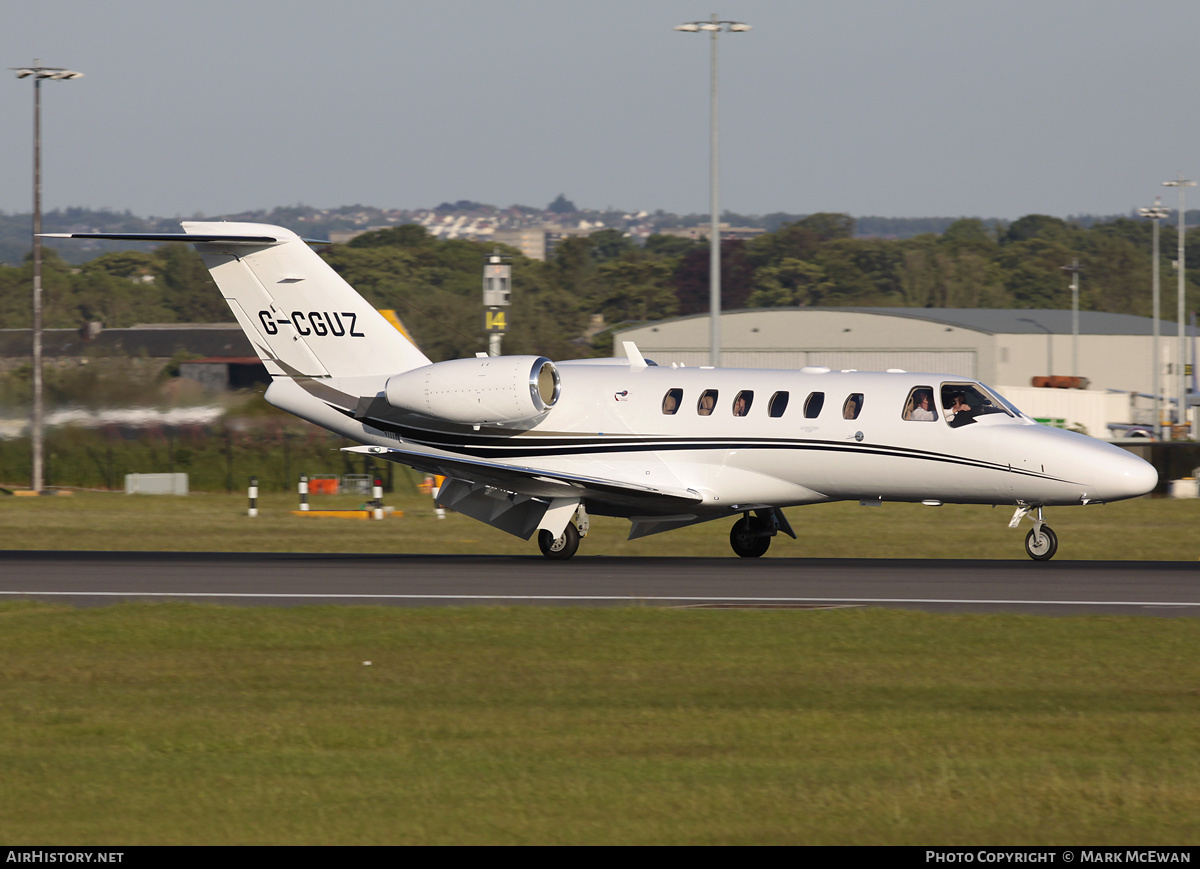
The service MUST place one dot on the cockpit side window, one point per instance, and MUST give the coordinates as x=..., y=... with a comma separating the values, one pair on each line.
x=813, y=405
x=708, y=400
x=920, y=405
x=777, y=405
x=853, y=406
x=671, y=401
x=964, y=403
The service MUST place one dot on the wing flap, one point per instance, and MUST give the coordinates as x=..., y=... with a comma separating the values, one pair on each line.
x=539, y=482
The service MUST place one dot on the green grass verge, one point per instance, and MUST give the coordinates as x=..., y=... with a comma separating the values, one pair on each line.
x=179, y=724
x=1142, y=529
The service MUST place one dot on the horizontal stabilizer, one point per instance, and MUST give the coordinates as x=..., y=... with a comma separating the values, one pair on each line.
x=169, y=236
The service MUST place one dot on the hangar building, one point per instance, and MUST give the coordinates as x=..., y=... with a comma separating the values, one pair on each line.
x=1003, y=348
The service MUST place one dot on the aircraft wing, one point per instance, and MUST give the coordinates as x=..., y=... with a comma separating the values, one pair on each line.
x=541, y=482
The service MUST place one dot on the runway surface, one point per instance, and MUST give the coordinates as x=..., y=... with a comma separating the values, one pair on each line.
x=272, y=579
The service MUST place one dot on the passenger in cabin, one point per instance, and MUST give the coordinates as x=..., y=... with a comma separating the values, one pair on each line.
x=851, y=407
x=707, y=403
x=739, y=406
x=921, y=409
x=669, y=404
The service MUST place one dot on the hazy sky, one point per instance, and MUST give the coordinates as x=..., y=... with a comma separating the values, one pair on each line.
x=992, y=108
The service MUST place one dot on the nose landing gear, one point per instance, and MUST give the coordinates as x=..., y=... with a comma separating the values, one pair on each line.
x=1041, y=542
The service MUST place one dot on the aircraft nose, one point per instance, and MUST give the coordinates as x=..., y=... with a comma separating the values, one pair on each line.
x=1126, y=476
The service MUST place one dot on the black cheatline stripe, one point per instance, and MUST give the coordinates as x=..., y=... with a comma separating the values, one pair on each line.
x=549, y=445
x=575, y=447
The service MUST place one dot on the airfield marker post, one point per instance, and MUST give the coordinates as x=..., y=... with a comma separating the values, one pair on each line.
x=253, y=497
x=304, y=492
x=377, y=498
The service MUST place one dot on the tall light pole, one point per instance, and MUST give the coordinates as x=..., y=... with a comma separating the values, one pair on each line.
x=38, y=72
x=1156, y=213
x=1074, y=268
x=1180, y=377
x=715, y=27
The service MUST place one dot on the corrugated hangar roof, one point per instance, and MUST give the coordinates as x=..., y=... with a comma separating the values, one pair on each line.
x=989, y=320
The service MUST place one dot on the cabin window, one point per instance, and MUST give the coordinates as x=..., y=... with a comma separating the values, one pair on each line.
x=777, y=405
x=671, y=401
x=741, y=404
x=708, y=400
x=813, y=405
x=853, y=406
x=920, y=405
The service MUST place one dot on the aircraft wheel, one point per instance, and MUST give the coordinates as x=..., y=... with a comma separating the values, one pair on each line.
x=747, y=539
x=561, y=548
x=1043, y=548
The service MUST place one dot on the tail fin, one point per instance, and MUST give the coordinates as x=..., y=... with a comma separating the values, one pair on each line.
x=299, y=314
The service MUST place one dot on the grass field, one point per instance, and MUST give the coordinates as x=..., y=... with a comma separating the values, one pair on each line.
x=1142, y=529
x=175, y=724
x=179, y=724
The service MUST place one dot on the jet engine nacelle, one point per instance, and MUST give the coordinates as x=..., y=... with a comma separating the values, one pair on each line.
x=494, y=390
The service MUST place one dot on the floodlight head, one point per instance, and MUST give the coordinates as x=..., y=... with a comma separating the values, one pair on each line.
x=710, y=26
x=739, y=27
x=689, y=28
x=24, y=73
x=66, y=74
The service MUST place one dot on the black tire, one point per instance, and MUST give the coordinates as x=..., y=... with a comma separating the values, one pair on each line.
x=747, y=537
x=561, y=548
x=1044, y=549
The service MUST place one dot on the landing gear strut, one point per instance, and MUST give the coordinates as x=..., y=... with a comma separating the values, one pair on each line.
x=1041, y=542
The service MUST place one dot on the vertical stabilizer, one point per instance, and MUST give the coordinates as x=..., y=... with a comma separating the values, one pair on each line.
x=299, y=314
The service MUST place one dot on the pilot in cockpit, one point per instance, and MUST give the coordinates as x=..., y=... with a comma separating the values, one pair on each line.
x=960, y=413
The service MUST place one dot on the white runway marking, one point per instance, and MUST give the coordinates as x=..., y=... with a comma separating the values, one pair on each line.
x=599, y=597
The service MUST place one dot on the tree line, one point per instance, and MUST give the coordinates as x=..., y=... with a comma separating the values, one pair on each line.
x=558, y=304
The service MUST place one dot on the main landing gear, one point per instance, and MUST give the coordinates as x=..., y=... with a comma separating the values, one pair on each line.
x=751, y=536
x=562, y=547
x=565, y=545
x=1041, y=542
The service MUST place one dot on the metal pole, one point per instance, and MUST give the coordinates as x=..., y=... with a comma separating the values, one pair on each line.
x=1157, y=328
x=1156, y=213
x=37, y=417
x=1180, y=378
x=1073, y=268
x=37, y=422
x=714, y=26
x=714, y=235
x=1180, y=367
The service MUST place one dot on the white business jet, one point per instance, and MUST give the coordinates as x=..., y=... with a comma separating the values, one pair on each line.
x=531, y=446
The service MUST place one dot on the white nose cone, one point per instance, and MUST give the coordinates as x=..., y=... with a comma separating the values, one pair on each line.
x=1127, y=476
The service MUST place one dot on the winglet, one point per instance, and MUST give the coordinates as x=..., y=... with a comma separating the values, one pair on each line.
x=636, y=359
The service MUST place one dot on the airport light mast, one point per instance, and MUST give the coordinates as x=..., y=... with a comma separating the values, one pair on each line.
x=1074, y=268
x=716, y=28
x=37, y=422
x=1156, y=213
x=1180, y=376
